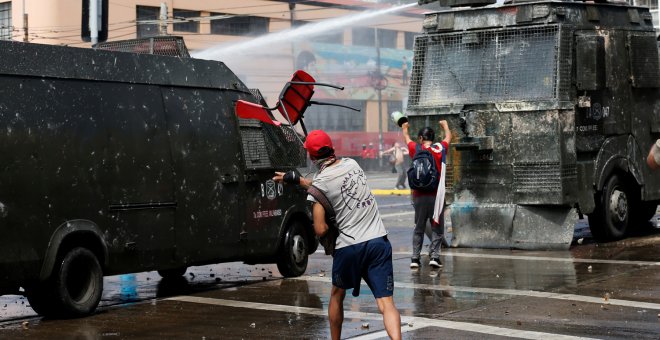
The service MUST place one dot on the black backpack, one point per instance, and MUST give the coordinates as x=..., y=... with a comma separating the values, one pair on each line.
x=423, y=174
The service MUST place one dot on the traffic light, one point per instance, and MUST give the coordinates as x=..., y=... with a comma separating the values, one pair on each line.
x=102, y=21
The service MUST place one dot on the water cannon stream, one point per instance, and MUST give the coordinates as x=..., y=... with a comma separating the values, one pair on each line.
x=227, y=51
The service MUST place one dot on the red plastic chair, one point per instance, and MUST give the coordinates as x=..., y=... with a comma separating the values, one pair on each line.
x=294, y=99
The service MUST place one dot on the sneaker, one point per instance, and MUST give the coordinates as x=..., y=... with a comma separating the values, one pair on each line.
x=414, y=263
x=435, y=262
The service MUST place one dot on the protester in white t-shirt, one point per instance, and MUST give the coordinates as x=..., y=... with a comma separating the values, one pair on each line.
x=362, y=250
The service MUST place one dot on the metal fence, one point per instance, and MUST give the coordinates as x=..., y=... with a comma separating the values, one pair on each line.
x=486, y=66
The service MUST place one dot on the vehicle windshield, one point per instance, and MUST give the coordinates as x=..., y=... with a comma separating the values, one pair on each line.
x=485, y=66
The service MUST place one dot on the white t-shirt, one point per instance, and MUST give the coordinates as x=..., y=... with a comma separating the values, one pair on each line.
x=345, y=185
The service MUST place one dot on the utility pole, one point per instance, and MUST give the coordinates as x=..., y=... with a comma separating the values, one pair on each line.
x=292, y=17
x=94, y=22
x=380, y=99
x=25, y=24
x=162, y=27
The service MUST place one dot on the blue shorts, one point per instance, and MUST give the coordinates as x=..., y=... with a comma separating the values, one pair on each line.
x=371, y=261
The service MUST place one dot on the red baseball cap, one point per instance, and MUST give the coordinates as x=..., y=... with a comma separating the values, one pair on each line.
x=316, y=140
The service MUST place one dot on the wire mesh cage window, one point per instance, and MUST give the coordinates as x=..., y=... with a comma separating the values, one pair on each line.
x=167, y=46
x=190, y=26
x=642, y=49
x=266, y=146
x=489, y=65
x=6, y=29
x=147, y=13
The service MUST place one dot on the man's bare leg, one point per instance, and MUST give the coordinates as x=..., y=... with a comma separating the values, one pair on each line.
x=391, y=317
x=336, y=311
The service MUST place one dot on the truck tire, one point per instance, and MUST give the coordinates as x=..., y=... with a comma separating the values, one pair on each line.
x=611, y=218
x=172, y=273
x=74, y=288
x=294, y=252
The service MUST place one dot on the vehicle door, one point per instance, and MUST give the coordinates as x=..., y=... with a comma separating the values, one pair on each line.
x=206, y=152
x=267, y=149
x=137, y=177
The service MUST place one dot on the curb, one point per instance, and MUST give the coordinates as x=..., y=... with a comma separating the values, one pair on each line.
x=388, y=192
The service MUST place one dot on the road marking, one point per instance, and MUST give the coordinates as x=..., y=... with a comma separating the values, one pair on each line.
x=514, y=292
x=383, y=334
x=406, y=321
x=385, y=192
x=419, y=323
x=540, y=258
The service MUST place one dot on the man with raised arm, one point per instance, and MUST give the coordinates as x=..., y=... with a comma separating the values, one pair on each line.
x=362, y=250
x=428, y=201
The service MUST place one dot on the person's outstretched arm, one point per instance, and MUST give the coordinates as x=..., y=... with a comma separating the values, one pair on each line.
x=292, y=177
x=406, y=134
x=445, y=127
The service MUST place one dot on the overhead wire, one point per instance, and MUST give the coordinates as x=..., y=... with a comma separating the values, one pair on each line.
x=76, y=27
x=42, y=31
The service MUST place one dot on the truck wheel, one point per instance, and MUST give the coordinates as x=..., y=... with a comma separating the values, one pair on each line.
x=172, y=273
x=78, y=282
x=611, y=217
x=294, y=252
x=73, y=290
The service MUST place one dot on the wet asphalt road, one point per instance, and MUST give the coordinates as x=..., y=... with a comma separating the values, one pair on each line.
x=605, y=291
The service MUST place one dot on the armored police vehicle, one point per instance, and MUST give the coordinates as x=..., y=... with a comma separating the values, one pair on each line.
x=554, y=105
x=117, y=162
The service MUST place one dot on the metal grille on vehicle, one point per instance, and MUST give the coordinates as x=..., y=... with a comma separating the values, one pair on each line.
x=268, y=146
x=484, y=66
x=284, y=147
x=533, y=177
x=167, y=46
x=642, y=46
x=254, y=144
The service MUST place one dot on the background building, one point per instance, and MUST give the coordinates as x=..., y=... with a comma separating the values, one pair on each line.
x=365, y=46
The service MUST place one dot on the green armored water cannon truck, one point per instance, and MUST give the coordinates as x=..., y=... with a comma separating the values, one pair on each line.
x=553, y=105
